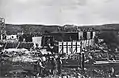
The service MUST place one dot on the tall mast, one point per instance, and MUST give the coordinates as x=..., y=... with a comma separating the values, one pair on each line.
x=2, y=28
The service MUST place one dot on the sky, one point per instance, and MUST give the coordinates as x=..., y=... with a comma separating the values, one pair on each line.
x=60, y=12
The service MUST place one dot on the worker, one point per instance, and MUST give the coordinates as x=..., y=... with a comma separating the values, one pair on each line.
x=58, y=60
x=53, y=65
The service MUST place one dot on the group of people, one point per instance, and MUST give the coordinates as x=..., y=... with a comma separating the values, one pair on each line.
x=51, y=65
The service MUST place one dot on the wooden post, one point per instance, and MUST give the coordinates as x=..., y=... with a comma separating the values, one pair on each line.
x=71, y=47
x=82, y=61
x=67, y=47
x=80, y=46
x=76, y=46
x=62, y=47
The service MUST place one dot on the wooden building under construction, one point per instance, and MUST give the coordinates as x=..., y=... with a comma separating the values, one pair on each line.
x=68, y=42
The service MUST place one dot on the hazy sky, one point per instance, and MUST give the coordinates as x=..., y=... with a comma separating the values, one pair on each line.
x=60, y=12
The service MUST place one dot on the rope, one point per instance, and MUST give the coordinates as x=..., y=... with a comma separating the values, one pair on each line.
x=5, y=45
x=18, y=45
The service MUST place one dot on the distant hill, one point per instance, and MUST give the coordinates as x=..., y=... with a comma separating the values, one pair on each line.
x=32, y=28
x=29, y=28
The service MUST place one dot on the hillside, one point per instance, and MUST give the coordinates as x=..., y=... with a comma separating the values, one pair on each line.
x=31, y=28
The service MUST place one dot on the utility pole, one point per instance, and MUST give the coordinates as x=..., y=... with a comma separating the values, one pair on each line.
x=2, y=28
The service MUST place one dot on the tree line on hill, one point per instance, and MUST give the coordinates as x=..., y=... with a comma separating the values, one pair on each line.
x=110, y=37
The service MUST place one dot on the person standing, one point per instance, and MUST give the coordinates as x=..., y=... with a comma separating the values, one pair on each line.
x=53, y=65
x=1, y=46
x=111, y=72
x=58, y=60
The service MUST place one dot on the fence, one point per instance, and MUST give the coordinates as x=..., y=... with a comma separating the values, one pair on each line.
x=26, y=45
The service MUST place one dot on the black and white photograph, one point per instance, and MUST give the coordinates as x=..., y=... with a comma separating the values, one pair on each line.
x=59, y=38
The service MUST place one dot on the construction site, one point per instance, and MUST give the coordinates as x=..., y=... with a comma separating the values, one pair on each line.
x=72, y=52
